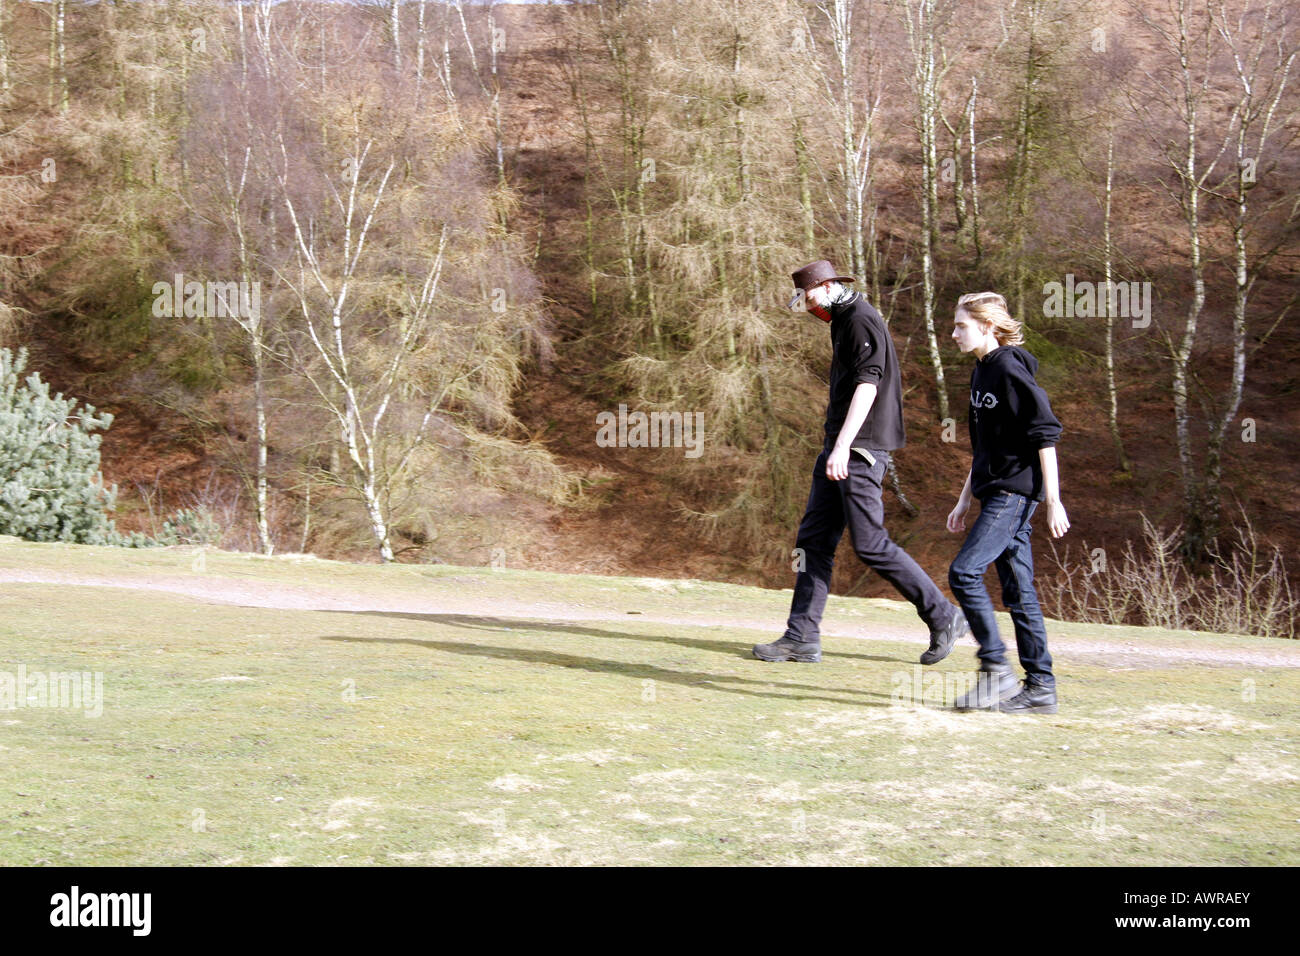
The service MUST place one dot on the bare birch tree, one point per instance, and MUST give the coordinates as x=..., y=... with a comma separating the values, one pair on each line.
x=968, y=216
x=6, y=68
x=1195, y=35
x=349, y=388
x=856, y=115
x=1189, y=43
x=1110, y=82
x=58, y=67
x=925, y=21
x=1260, y=39
x=1108, y=256
x=233, y=193
x=488, y=74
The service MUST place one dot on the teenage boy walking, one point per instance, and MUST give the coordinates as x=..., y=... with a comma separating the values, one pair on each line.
x=864, y=423
x=1013, y=436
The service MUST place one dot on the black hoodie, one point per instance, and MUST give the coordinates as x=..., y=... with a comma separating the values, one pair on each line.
x=1010, y=419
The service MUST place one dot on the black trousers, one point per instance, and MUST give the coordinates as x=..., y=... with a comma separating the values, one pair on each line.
x=854, y=502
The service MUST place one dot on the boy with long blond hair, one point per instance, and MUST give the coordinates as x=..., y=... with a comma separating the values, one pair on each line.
x=1013, y=436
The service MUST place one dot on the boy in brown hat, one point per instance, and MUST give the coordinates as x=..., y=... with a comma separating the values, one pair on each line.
x=864, y=423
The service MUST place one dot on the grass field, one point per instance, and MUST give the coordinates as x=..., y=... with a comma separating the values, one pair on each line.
x=465, y=715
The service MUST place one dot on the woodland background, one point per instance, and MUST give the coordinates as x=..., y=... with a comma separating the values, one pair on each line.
x=475, y=226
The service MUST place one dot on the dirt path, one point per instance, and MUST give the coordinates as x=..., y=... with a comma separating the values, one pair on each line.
x=220, y=590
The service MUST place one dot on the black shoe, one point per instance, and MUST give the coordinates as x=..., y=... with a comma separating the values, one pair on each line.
x=994, y=683
x=941, y=642
x=1032, y=699
x=787, y=649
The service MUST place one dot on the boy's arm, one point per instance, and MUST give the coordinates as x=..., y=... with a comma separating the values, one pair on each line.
x=1042, y=431
x=864, y=396
x=862, y=352
x=957, y=517
x=1032, y=408
x=1057, y=521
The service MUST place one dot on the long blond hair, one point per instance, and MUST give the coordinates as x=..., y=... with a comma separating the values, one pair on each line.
x=991, y=308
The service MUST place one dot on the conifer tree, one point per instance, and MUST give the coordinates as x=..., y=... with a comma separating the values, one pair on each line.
x=50, y=485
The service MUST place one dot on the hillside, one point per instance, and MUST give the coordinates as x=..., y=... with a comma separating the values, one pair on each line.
x=183, y=437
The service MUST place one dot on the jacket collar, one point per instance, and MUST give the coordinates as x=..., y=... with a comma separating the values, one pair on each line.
x=839, y=308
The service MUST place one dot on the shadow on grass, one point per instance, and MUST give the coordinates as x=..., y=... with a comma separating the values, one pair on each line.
x=635, y=671
x=486, y=623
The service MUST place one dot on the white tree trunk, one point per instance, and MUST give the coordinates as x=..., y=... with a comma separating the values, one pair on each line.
x=395, y=29
x=921, y=35
x=1112, y=395
x=5, y=82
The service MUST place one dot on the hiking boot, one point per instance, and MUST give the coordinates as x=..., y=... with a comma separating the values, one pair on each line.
x=941, y=642
x=993, y=684
x=1032, y=699
x=787, y=649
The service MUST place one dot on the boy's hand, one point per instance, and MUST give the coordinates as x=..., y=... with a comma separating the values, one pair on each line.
x=837, y=464
x=957, y=517
x=1057, y=521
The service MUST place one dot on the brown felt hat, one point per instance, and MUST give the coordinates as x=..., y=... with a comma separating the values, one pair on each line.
x=815, y=273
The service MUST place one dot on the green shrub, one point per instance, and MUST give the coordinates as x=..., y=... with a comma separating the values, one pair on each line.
x=191, y=526
x=50, y=484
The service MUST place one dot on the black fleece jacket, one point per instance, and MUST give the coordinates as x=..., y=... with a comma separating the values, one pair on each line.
x=862, y=351
x=1010, y=420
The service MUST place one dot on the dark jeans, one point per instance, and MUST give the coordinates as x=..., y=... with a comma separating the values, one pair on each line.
x=1000, y=536
x=854, y=501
